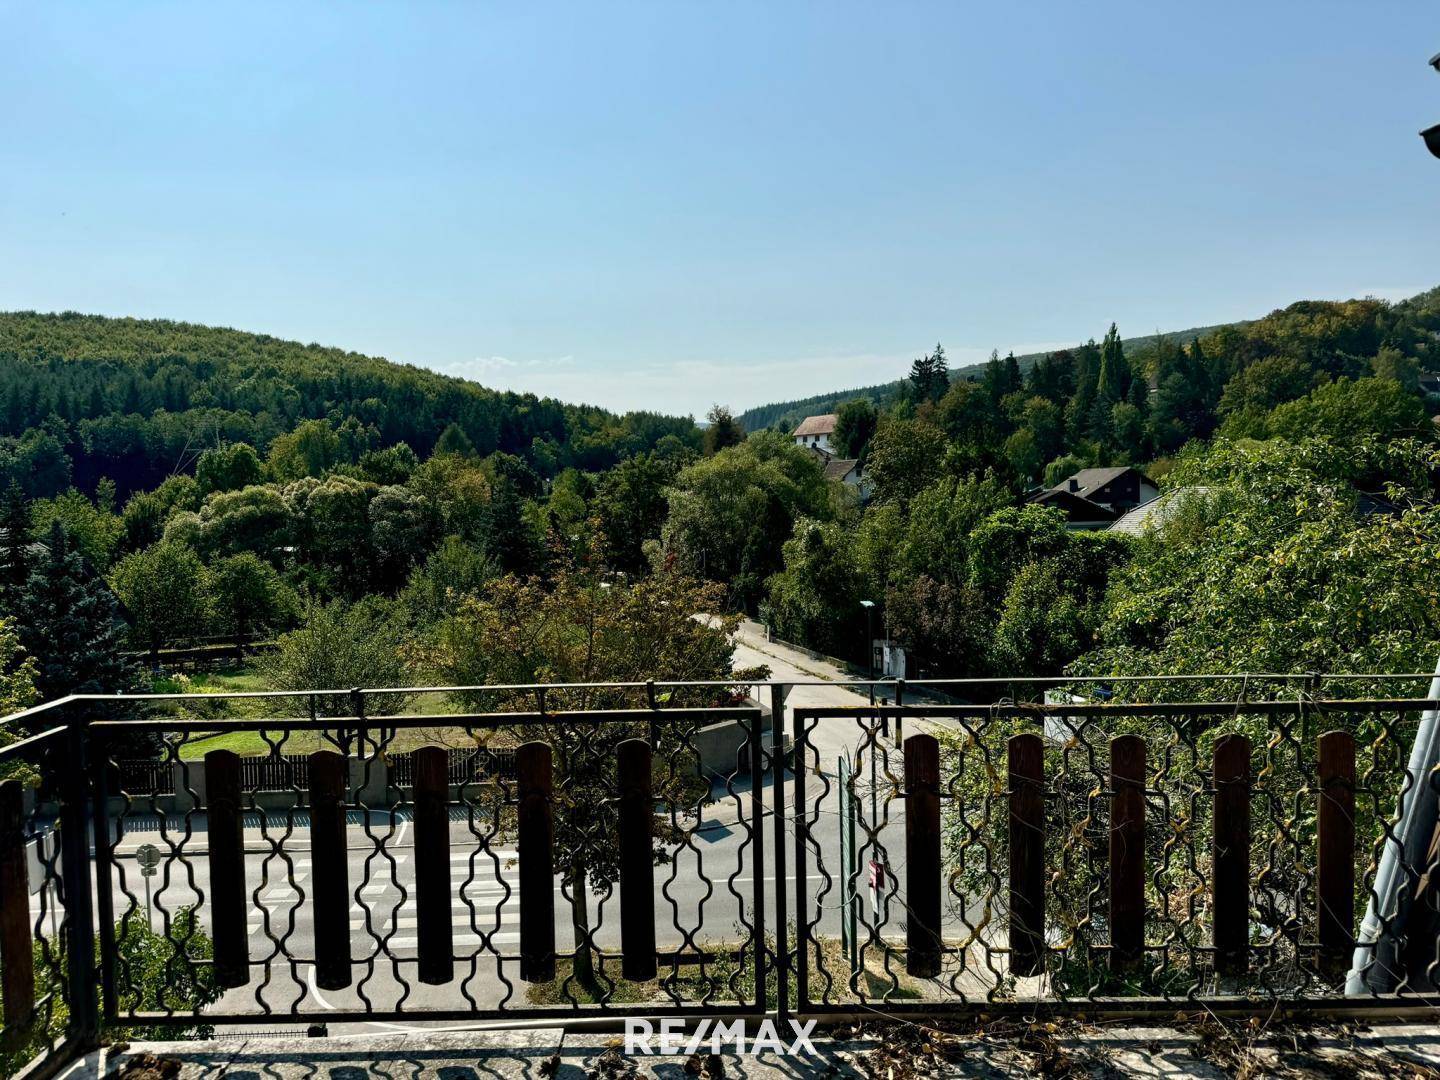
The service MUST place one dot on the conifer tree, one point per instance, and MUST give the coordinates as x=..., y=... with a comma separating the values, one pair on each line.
x=68, y=623
x=14, y=546
x=1114, y=379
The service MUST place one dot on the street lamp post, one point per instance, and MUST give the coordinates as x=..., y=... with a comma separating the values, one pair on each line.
x=869, y=606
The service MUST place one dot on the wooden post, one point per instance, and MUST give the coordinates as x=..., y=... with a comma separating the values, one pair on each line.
x=330, y=868
x=1230, y=874
x=536, y=827
x=17, y=960
x=1127, y=851
x=1027, y=854
x=432, y=865
x=637, y=859
x=228, y=895
x=922, y=856
x=1335, y=851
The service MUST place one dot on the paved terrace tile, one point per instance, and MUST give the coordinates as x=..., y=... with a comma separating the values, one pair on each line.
x=893, y=1052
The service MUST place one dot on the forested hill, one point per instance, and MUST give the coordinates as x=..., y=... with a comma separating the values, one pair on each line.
x=785, y=415
x=84, y=397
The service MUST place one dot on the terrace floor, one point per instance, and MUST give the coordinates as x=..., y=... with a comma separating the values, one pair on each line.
x=1209, y=1049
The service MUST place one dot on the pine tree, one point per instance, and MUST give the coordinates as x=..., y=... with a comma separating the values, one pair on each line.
x=14, y=546
x=68, y=624
x=921, y=370
x=930, y=376
x=1013, y=381
x=1078, y=413
x=939, y=373
x=453, y=440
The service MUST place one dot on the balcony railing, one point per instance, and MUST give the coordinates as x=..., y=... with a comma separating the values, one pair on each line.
x=174, y=863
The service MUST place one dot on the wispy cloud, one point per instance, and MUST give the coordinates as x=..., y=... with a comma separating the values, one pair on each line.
x=693, y=385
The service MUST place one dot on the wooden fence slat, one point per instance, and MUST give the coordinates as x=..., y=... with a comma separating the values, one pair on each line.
x=1027, y=854
x=536, y=829
x=637, y=859
x=228, y=895
x=922, y=856
x=17, y=961
x=1127, y=851
x=1335, y=851
x=329, y=776
x=432, y=865
x=1230, y=874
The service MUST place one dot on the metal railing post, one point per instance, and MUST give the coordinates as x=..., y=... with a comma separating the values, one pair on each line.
x=778, y=693
x=105, y=905
x=75, y=873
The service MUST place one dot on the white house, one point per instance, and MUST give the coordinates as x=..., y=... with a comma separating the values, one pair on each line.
x=815, y=432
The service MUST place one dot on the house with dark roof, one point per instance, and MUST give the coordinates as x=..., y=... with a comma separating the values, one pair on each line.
x=1096, y=498
x=847, y=471
x=815, y=432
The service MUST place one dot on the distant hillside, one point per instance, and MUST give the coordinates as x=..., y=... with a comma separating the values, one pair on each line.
x=785, y=415
x=135, y=400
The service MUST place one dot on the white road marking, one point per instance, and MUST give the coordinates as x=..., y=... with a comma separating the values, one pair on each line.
x=503, y=938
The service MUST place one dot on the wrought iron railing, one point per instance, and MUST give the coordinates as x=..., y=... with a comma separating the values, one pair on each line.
x=173, y=863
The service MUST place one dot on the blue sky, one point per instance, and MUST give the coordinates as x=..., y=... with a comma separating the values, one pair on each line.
x=664, y=205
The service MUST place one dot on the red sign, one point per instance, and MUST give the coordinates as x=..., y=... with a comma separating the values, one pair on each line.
x=877, y=874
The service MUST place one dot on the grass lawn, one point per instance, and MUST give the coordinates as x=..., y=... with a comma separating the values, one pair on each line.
x=246, y=677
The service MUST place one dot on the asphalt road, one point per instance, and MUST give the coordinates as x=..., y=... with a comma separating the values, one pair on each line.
x=696, y=899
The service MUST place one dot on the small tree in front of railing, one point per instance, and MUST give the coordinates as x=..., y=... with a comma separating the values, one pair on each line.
x=584, y=626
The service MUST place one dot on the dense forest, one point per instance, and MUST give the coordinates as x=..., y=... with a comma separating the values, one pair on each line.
x=785, y=415
x=168, y=484
x=84, y=398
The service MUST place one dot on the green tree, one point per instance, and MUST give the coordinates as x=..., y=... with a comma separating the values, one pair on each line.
x=454, y=570
x=1391, y=363
x=68, y=623
x=1127, y=430
x=402, y=530
x=312, y=449
x=1274, y=570
x=228, y=468
x=815, y=599
x=581, y=628
x=249, y=597
x=17, y=679
x=730, y=514
x=631, y=506
x=15, y=545
x=722, y=431
x=340, y=645
x=165, y=971
x=929, y=376
x=252, y=519
x=1267, y=383
x=393, y=465
x=905, y=456
x=94, y=530
x=1352, y=410
x=166, y=591
x=1062, y=468
x=453, y=440
x=1113, y=382
x=855, y=423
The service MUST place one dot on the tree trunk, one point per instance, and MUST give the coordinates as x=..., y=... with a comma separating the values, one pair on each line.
x=584, y=962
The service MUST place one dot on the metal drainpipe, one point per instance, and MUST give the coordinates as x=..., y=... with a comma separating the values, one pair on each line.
x=1412, y=839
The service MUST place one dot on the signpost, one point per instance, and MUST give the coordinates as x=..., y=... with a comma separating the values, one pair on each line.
x=849, y=866
x=148, y=856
